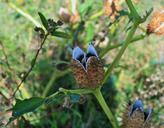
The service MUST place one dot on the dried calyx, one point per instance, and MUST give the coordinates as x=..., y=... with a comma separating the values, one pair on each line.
x=87, y=67
x=138, y=105
x=136, y=117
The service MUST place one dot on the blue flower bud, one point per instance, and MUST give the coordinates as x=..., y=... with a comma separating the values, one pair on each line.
x=137, y=105
x=78, y=54
x=91, y=51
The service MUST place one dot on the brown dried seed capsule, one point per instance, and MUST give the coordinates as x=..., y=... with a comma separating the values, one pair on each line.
x=138, y=118
x=79, y=73
x=92, y=76
x=87, y=67
x=125, y=116
x=135, y=121
x=95, y=71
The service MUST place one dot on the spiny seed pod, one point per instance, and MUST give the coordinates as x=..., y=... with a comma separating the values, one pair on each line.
x=135, y=116
x=156, y=24
x=87, y=67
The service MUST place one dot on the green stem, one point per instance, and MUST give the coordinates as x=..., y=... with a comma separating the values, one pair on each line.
x=97, y=94
x=98, y=14
x=51, y=97
x=32, y=64
x=100, y=98
x=138, y=37
x=26, y=15
x=125, y=45
x=133, y=10
x=76, y=91
x=108, y=48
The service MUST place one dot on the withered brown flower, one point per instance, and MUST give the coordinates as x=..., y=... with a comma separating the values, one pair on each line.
x=156, y=24
x=111, y=8
x=66, y=16
x=87, y=67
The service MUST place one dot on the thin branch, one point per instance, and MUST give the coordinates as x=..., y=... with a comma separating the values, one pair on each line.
x=76, y=91
x=5, y=55
x=108, y=48
x=32, y=65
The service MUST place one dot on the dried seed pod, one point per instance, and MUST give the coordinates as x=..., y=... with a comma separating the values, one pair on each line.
x=125, y=116
x=135, y=117
x=136, y=120
x=87, y=68
x=79, y=73
x=156, y=24
x=95, y=71
x=147, y=117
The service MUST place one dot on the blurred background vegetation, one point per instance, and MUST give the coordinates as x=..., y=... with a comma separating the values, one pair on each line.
x=140, y=73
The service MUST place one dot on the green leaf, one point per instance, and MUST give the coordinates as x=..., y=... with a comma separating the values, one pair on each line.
x=24, y=106
x=89, y=32
x=60, y=34
x=146, y=15
x=44, y=20
x=85, y=8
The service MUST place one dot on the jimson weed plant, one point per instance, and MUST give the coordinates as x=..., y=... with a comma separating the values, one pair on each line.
x=91, y=73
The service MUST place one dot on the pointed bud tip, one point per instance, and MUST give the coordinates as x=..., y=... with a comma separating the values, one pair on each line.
x=91, y=50
x=77, y=52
